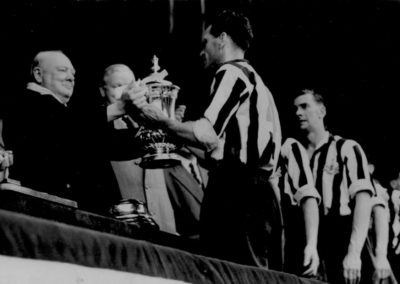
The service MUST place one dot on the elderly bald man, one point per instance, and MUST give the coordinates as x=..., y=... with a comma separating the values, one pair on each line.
x=172, y=195
x=50, y=156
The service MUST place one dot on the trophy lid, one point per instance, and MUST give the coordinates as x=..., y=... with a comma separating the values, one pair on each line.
x=156, y=77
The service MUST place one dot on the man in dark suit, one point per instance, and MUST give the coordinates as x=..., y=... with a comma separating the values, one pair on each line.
x=57, y=150
x=185, y=184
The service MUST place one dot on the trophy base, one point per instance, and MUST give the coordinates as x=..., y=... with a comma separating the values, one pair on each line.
x=159, y=161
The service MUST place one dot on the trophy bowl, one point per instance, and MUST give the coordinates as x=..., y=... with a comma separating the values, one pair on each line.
x=158, y=145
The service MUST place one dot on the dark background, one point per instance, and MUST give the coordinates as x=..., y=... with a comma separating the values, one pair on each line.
x=346, y=50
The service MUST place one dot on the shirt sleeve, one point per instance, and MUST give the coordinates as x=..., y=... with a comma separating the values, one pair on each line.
x=204, y=133
x=357, y=168
x=381, y=197
x=299, y=171
x=227, y=88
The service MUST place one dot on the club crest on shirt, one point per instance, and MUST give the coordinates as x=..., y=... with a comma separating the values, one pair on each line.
x=332, y=167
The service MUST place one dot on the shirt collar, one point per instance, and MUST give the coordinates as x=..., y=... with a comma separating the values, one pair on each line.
x=232, y=61
x=43, y=91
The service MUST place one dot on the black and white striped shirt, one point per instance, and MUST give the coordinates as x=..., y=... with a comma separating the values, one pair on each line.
x=340, y=171
x=296, y=180
x=244, y=116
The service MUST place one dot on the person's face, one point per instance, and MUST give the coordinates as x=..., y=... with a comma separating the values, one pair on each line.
x=57, y=74
x=310, y=114
x=115, y=83
x=210, y=49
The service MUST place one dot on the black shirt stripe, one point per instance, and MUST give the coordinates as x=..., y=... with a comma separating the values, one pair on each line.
x=299, y=161
x=230, y=104
x=360, y=170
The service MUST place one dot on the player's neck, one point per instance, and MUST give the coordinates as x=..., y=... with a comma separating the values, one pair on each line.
x=315, y=137
x=234, y=54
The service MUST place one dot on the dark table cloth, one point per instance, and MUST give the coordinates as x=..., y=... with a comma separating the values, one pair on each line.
x=26, y=236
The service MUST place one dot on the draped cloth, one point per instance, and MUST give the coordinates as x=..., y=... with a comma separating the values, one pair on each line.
x=31, y=237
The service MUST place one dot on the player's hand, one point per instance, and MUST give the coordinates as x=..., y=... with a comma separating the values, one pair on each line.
x=311, y=260
x=382, y=267
x=352, y=268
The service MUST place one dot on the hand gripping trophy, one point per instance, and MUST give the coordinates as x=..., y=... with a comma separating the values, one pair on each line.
x=157, y=144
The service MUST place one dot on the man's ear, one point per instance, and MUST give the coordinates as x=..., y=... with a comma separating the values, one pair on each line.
x=223, y=37
x=37, y=74
x=102, y=92
x=323, y=111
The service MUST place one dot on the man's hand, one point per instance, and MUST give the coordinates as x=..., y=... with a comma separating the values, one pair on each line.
x=131, y=101
x=352, y=268
x=180, y=113
x=382, y=266
x=151, y=114
x=311, y=260
x=134, y=93
x=6, y=159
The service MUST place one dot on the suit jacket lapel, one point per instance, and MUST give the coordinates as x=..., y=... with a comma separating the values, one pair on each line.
x=189, y=184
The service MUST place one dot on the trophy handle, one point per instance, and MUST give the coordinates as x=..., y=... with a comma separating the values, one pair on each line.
x=172, y=108
x=174, y=96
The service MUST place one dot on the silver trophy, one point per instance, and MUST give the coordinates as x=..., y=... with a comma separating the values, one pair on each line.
x=157, y=144
x=134, y=212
